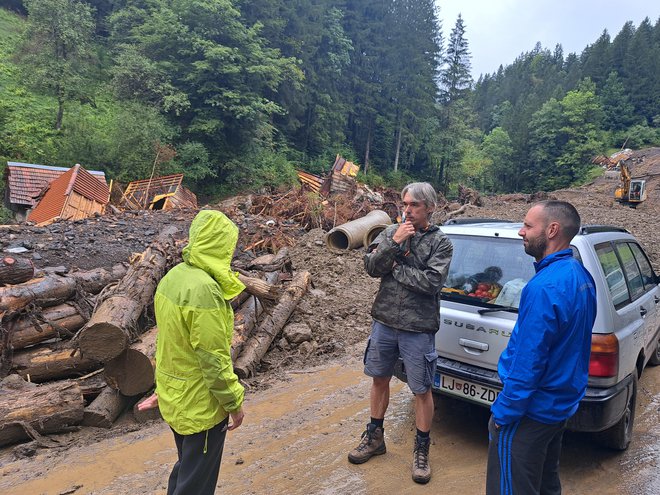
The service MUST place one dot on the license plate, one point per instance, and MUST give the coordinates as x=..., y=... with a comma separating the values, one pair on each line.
x=465, y=389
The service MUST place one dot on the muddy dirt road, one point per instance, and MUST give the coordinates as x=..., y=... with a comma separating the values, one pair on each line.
x=296, y=436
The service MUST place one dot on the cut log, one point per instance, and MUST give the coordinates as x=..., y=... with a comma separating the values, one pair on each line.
x=105, y=409
x=280, y=262
x=15, y=270
x=257, y=346
x=91, y=385
x=31, y=410
x=93, y=281
x=238, y=301
x=54, y=289
x=51, y=362
x=259, y=288
x=245, y=319
x=58, y=321
x=132, y=372
x=115, y=320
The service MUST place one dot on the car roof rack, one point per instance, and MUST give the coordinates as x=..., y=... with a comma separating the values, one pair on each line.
x=466, y=220
x=594, y=229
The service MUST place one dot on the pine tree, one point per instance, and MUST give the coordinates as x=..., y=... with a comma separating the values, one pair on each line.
x=455, y=78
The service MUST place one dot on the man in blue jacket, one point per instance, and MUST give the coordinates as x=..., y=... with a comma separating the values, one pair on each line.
x=545, y=367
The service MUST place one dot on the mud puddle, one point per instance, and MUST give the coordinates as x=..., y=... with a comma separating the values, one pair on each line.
x=296, y=436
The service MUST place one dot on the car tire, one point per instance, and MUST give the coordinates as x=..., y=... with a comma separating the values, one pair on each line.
x=618, y=437
x=655, y=357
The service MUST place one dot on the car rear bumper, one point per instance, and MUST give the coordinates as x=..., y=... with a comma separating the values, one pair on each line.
x=600, y=408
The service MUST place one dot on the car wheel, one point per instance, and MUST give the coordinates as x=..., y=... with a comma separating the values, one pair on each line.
x=655, y=357
x=618, y=437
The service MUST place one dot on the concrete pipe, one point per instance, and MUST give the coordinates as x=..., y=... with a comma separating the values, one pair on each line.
x=351, y=234
x=372, y=233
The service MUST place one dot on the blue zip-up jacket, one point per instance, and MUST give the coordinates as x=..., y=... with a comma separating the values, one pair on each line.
x=545, y=367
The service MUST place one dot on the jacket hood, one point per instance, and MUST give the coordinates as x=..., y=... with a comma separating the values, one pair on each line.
x=211, y=243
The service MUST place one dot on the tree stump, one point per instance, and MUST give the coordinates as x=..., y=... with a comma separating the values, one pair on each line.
x=30, y=410
x=109, y=330
x=15, y=270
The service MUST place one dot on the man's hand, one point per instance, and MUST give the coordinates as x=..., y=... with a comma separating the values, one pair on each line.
x=236, y=418
x=405, y=231
x=150, y=402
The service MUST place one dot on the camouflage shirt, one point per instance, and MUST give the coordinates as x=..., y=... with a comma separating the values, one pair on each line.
x=411, y=278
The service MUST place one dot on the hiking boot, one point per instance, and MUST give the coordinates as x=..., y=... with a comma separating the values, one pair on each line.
x=421, y=470
x=371, y=444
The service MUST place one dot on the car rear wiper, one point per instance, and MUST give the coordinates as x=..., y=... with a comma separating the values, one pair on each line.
x=483, y=311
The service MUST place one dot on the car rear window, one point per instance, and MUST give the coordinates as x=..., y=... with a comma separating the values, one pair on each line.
x=492, y=271
x=616, y=282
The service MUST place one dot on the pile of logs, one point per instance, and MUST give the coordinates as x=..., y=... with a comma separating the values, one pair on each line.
x=85, y=337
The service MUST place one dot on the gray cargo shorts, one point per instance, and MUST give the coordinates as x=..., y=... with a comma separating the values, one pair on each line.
x=387, y=344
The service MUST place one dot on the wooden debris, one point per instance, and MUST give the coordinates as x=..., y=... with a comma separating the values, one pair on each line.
x=51, y=362
x=246, y=318
x=59, y=321
x=105, y=409
x=115, y=319
x=52, y=290
x=15, y=270
x=259, y=288
x=257, y=346
x=29, y=410
x=132, y=372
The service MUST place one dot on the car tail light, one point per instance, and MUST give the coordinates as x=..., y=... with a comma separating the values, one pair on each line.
x=604, y=360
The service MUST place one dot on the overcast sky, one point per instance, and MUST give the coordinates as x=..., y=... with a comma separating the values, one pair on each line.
x=500, y=30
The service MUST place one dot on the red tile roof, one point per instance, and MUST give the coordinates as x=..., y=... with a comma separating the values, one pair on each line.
x=54, y=202
x=25, y=180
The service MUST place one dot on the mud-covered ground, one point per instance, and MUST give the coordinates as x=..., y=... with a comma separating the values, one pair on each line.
x=337, y=311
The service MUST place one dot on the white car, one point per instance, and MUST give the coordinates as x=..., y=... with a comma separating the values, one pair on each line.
x=479, y=308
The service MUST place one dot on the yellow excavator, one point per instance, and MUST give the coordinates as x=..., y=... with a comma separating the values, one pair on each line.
x=631, y=192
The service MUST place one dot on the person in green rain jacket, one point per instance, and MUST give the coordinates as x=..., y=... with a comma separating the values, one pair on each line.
x=196, y=388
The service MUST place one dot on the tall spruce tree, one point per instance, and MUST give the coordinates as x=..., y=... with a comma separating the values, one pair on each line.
x=455, y=77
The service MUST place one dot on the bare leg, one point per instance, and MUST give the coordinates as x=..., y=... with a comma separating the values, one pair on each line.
x=380, y=396
x=423, y=410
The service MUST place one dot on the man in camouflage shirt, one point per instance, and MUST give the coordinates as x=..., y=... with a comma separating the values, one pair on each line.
x=411, y=259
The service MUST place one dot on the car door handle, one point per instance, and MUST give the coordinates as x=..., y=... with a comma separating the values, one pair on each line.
x=656, y=299
x=472, y=344
x=642, y=311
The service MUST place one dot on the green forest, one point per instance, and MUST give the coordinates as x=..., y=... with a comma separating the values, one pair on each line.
x=239, y=94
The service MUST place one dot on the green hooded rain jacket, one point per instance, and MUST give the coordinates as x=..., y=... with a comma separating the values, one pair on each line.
x=195, y=379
